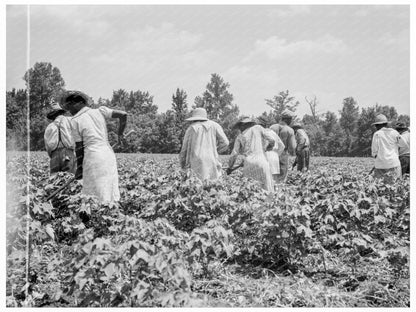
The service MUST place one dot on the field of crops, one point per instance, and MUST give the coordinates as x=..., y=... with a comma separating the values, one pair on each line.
x=332, y=237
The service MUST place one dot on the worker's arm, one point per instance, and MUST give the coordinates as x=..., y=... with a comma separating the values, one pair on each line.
x=374, y=146
x=79, y=152
x=234, y=153
x=184, y=149
x=222, y=139
x=122, y=117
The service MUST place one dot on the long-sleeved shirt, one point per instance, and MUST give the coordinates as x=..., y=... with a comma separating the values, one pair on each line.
x=405, y=150
x=51, y=135
x=287, y=135
x=199, y=152
x=385, y=147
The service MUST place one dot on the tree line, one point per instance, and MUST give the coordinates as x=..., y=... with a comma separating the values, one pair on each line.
x=162, y=132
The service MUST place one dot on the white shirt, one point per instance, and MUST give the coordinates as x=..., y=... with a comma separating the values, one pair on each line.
x=89, y=126
x=405, y=150
x=51, y=136
x=385, y=146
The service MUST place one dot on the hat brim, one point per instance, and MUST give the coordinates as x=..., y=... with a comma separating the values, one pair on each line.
x=196, y=119
x=54, y=112
x=379, y=122
x=238, y=123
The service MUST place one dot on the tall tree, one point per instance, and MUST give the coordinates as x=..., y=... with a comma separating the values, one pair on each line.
x=45, y=84
x=216, y=99
x=281, y=102
x=218, y=102
x=348, y=120
x=179, y=104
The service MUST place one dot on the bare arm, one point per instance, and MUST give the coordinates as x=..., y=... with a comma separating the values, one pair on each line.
x=122, y=116
x=222, y=139
x=184, y=149
x=79, y=152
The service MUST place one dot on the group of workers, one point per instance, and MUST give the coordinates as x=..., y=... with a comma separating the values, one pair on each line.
x=79, y=144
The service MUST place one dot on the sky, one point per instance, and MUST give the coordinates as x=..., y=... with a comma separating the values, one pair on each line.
x=328, y=51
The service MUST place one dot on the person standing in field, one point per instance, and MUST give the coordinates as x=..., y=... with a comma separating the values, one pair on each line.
x=59, y=143
x=251, y=143
x=203, y=140
x=287, y=135
x=96, y=161
x=385, y=149
x=274, y=154
x=404, y=152
x=302, y=147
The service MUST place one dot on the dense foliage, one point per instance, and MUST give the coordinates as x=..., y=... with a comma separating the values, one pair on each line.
x=162, y=132
x=331, y=237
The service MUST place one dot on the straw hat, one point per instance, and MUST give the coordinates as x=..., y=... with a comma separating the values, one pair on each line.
x=198, y=113
x=55, y=110
x=380, y=119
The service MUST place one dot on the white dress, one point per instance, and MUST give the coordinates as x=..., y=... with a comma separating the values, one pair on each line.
x=199, y=149
x=251, y=143
x=273, y=155
x=99, y=168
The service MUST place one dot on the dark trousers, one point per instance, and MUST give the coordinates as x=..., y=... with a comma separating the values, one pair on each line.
x=405, y=163
x=62, y=159
x=302, y=158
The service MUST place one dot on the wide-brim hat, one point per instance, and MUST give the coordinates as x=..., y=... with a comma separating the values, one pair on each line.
x=244, y=120
x=55, y=110
x=198, y=114
x=69, y=93
x=380, y=119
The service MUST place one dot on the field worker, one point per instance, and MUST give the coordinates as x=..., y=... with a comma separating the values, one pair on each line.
x=203, y=140
x=404, y=152
x=251, y=143
x=302, y=147
x=96, y=161
x=287, y=135
x=385, y=148
x=272, y=155
x=59, y=143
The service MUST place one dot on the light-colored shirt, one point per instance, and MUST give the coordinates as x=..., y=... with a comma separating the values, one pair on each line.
x=385, y=145
x=199, y=152
x=302, y=139
x=287, y=135
x=405, y=150
x=51, y=135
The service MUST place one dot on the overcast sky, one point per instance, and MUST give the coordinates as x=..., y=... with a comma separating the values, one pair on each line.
x=332, y=51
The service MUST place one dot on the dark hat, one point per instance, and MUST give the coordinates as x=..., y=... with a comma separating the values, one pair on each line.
x=244, y=120
x=55, y=110
x=400, y=125
x=262, y=120
x=74, y=94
